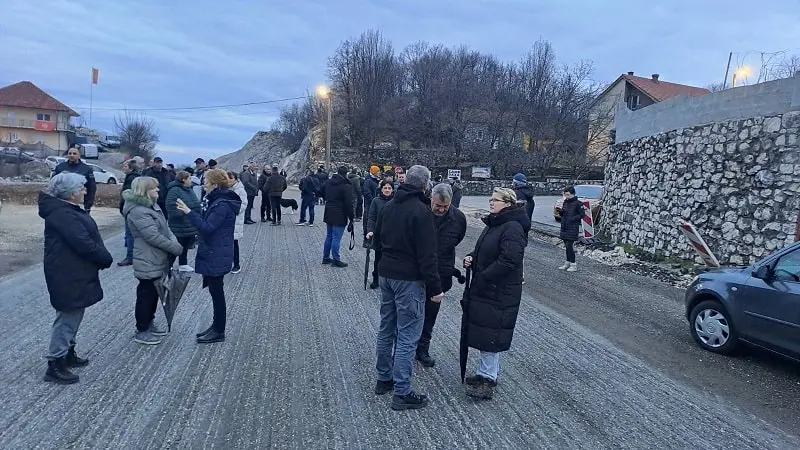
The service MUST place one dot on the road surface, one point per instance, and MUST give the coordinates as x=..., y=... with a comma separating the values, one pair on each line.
x=600, y=359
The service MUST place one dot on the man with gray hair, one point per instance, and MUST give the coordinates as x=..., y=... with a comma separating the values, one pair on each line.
x=451, y=227
x=406, y=236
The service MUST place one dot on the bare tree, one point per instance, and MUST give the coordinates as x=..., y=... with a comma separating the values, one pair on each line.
x=716, y=87
x=137, y=133
x=296, y=120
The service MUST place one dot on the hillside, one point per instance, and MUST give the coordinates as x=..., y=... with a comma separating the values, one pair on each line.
x=267, y=147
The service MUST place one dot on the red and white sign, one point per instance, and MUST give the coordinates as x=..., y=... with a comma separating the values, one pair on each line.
x=42, y=125
x=699, y=244
x=588, y=220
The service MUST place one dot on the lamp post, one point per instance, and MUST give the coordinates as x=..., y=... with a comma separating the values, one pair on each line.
x=742, y=72
x=325, y=92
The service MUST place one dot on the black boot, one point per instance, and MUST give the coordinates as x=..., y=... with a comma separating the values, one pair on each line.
x=410, y=401
x=211, y=337
x=384, y=387
x=57, y=372
x=483, y=390
x=203, y=333
x=73, y=360
x=424, y=357
x=374, y=284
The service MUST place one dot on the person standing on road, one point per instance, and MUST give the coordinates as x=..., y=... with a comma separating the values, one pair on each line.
x=358, y=196
x=571, y=219
x=458, y=190
x=322, y=178
x=153, y=245
x=199, y=172
x=75, y=165
x=238, y=231
x=338, y=194
x=308, y=192
x=524, y=193
x=276, y=184
x=266, y=207
x=386, y=193
x=179, y=224
x=131, y=170
x=451, y=227
x=496, y=289
x=249, y=178
x=406, y=236
x=74, y=254
x=214, y=258
x=160, y=173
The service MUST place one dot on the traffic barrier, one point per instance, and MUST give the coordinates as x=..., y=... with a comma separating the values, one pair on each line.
x=588, y=221
x=699, y=244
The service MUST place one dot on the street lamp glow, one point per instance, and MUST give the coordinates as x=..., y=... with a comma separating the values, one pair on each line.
x=323, y=91
x=743, y=72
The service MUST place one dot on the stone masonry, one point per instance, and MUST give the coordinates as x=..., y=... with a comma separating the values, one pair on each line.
x=737, y=181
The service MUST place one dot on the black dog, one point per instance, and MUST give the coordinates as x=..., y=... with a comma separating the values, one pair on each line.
x=289, y=203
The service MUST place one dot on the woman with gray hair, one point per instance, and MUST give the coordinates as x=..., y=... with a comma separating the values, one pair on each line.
x=74, y=254
x=153, y=243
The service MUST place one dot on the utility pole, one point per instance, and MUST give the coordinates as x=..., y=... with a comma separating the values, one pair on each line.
x=328, y=149
x=727, y=69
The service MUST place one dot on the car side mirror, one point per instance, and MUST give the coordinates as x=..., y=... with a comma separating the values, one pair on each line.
x=762, y=272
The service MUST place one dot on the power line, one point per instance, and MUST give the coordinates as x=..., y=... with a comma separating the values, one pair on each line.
x=191, y=108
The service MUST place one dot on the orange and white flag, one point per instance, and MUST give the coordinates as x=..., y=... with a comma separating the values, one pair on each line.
x=95, y=75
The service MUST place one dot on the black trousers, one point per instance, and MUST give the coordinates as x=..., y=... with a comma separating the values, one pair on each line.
x=216, y=289
x=378, y=255
x=275, y=201
x=359, y=206
x=570, y=245
x=266, y=212
x=235, y=253
x=185, y=242
x=431, y=312
x=248, y=210
x=146, y=304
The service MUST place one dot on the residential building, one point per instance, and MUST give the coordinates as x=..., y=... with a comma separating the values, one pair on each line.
x=636, y=92
x=29, y=115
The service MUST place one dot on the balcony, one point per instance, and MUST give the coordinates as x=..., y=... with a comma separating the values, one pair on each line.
x=39, y=125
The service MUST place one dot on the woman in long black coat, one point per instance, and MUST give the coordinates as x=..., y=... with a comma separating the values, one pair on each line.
x=385, y=193
x=571, y=220
x=74, y=254
x=496, y=289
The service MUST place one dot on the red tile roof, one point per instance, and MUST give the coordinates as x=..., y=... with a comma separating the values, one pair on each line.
x=662, y=90
x=27, y=95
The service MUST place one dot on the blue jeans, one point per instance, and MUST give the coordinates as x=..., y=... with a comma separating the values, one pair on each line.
x=128, y=242
x=402, y=317
x=307, y=202
x=489, y=366
x=332, y=242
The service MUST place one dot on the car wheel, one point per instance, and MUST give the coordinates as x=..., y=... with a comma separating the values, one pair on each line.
x=712, y=329
x=112, y=181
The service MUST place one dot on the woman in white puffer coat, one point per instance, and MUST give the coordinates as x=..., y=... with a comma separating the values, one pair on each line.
x=238, y=232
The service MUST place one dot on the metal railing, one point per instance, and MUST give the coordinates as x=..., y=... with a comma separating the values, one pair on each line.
x=16, y=123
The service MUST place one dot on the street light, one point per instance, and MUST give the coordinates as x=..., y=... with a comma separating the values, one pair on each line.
x=325, y=93
x=741, y=72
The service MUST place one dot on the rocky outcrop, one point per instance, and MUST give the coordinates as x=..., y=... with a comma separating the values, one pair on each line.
x=265, y=148
x=738, y=182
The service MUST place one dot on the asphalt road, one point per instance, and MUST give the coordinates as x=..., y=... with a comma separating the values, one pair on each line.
x=600, y=359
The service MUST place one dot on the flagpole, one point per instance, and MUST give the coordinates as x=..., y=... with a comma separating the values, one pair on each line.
x=91, y=95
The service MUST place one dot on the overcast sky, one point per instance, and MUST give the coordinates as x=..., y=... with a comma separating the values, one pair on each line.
x=211, y=52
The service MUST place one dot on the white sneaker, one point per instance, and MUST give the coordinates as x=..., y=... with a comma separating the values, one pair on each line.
x=572, y=267
x=301, y=224
x=565, y=266
x=185, y=268
x=311, y=224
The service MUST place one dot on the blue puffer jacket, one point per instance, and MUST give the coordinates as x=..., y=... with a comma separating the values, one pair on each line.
x=215, y=227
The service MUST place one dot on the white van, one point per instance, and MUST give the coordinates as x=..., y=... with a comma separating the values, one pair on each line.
x=89, y=151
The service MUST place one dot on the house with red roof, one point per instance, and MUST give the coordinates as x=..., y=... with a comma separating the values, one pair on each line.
x=29, y=115
x=636, y=92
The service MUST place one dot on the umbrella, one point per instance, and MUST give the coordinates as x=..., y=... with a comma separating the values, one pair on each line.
x=170, y=290
x=366, y=270
x=463, y=348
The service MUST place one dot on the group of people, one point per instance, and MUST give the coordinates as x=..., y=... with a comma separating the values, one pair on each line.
x=412, y=223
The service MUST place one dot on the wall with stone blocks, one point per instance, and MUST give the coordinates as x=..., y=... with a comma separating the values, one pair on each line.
x=738, y=181
x=763, y=99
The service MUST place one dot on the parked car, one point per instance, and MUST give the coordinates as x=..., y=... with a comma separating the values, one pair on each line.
x=53, y=161
x=591, y=192
x=109, y=141
x=758, y=305
x=102, y=175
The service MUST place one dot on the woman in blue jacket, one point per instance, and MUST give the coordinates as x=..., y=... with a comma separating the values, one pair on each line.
x=215, y=247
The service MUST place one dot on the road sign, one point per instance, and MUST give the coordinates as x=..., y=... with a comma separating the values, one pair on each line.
x=481, y=172
x=454, y=173
x=588, y=220
x=699, y=244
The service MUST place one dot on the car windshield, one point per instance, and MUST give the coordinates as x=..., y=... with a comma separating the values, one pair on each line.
x=589, y=191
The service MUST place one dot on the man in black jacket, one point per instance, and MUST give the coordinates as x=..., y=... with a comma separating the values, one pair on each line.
x=406, y=236
x=308, y=192
x=75, y=165
x=249, y=179
x=131, y=170
x=266, y=208
x=322, y=178
x=275, y=185
x=451, y=227
x=338, y=195
x=160, y=173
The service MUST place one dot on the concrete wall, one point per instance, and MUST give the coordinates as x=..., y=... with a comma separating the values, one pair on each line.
x=764, y=99
x=737, y=181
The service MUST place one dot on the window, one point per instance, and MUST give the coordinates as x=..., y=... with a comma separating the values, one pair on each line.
x=43, y=117
x=13, y=136
x=788, y=267
x=633, y=101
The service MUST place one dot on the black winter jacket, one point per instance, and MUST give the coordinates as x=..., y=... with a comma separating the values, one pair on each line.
x=338, y=195
x=525, y=194
x=457, y=192
x=86, y=170
x=571, y=219
x=370, y=190
x=450, y=231
x=250, y=182
x=74, y=254
x=308, y=186
x=496, y=290
x=179, y=222
x=406, y=237
x=262, y=183
x=374, y=212
x=125, y=186
x=275, y=185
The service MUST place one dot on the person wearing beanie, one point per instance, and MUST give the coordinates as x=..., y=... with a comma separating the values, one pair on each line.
x=370, y=192
x=524, y=192
x=338, y=195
